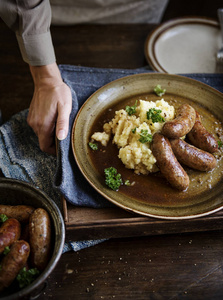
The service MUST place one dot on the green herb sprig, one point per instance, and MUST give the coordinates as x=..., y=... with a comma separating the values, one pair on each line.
x=26, y=277
x=93, y=146
x=127, y=182
x=112, y=178
x=220, y=144
x=159, y=91
x=131, y=110
x=145, y=137
x=3, y=218
x=6, y=250
x=154, y=115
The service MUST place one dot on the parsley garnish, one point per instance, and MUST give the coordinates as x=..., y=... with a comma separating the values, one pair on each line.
x=131, y=109
x=134, y=130
x=154, y=115
x=159, y=91
x=127, y=182
x=26, y=277
x=145, y=136
x=6, y=250
x=220, y=144
x=112, y=178
x=3, y=218
x=93, y=146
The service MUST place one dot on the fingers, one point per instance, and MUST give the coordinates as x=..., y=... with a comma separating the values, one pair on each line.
x=46, y=137
x=49, y=112
x=62, y=124
x=44, y=128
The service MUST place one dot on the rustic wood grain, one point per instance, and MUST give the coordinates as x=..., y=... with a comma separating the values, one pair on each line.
x=90, y=223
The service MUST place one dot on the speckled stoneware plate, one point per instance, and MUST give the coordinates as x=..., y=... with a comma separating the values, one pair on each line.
x=184, y=45
x=158, y=199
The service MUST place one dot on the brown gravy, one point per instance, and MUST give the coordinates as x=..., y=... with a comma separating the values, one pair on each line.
x=153, y=189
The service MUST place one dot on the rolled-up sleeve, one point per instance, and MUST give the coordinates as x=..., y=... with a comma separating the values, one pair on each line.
x=30, y=20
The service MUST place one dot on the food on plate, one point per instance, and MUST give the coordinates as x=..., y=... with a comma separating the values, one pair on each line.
x=10, y=231
x=182, y=124
x=151, y=136
x=24, y=247
x=39, y=238
x=155, y=113
x=19, y=212
x=201, y=138
x=13, y=262
x=112, y=178
x=93, y=146
x=132, y=129
x=159, y=90
x=193, y=157
x=168, y=164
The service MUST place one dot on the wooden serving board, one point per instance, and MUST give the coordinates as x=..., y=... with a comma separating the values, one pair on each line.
x=90, y=223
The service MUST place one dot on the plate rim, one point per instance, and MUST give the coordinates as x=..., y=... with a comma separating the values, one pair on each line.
x=154, y=35
x=168, y=75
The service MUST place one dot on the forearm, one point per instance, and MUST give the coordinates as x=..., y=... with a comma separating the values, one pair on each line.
x=52, y=101
x=30, y=20
x=48, y=75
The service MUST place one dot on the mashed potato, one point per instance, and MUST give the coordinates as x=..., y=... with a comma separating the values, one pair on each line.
x=167, y=112
x=133, y=134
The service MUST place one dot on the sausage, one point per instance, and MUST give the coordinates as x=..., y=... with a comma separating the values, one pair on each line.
x=182, y=124
x=9, y=232
x=193, y=157
x=40, y=238
x=168, y=164
x=201, y=138
x=19, y=212
x=13, y=262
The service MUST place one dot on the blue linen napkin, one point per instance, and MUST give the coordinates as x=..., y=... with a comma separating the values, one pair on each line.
x=83, y=81
x=21, y=158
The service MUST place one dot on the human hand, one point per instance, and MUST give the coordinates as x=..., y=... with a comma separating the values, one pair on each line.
x=50, y=107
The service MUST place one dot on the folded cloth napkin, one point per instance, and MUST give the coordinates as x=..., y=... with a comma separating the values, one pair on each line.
x=69, y=181
x=21, y=158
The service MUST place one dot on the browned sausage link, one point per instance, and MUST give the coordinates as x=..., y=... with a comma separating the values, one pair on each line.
x=19, y=212
x=201, y=138
x=9, y=232
x=168, y=164
x=193, y=157
x=13, y=262
x=40, y=238
x=182, y=124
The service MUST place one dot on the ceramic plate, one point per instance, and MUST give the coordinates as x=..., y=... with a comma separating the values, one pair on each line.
x=186, y=45
x=203, y=197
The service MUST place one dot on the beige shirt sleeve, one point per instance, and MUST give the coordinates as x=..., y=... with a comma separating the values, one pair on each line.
x=30, y=20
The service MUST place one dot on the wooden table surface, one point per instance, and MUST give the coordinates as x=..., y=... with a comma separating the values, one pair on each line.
x=174, y=266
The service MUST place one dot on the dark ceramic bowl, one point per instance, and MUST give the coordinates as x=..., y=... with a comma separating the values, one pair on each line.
x=15, y=192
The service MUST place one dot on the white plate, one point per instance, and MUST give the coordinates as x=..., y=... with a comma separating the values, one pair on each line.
x=186, y=45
